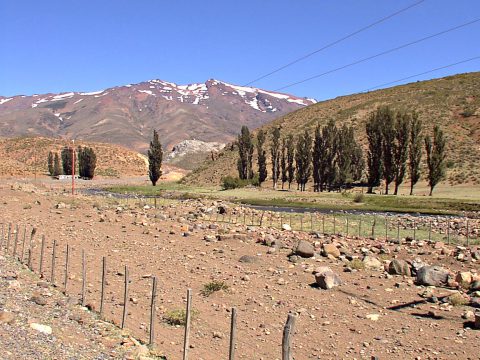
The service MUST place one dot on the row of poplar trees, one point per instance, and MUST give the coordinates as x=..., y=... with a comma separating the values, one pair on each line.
x=86, y=159
x=334, y=158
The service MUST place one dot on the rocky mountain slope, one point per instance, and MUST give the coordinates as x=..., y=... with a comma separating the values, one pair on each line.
x=126, y=115
x=452, y=102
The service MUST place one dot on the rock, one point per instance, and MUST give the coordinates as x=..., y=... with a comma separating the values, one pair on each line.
x=475, y=286
x=464, y=279
x=294, y=259
x=222, y=209
x=371, y=262
x=326, y=278
x=304, y=249
x=477, y=320
x=432, y=276
x=476, y=255
x=286, y=227
x=218, y=335
x=248, y=259
x=39, y=300
x=475, y=302
x=45, y=329
x=6, y=317
x=399, y=267
x=330, y=249
x=373, y=317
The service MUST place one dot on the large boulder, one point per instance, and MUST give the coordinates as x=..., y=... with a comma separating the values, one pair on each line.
x=304, y=249
x=326, y=278
x=372, y=263
x=399, y=267
x=331, y=249
x=432, y=276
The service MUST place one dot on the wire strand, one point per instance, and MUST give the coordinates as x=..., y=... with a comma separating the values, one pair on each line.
x=336, y=42
x=380, y=54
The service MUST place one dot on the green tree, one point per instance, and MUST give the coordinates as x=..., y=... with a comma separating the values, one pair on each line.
x=387, y=120
x=87, y=162
x=400, y=149
x=57, y=170
x=375, y=150
x=275, y=153
x=245, y=152
x=303, y=159
x=261, y=157
x=415, y=150
x=283, y=163
x=290, y=159
x=155, y=157
x=67, y=157
x=435, y=157
x=317, y=156
x=329, y=159
x=50, y=163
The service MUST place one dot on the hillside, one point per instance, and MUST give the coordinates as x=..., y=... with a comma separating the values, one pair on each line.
x=452, y=102
x=20, y=156
x=126, y=115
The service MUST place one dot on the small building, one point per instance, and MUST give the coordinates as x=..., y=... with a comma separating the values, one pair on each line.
x=67, y=177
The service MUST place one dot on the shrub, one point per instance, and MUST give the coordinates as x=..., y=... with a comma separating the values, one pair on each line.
x=178, y=316
x=457, y=300
x=356, y=264
x=213, y=286
x=230, y=182
x=359, y=198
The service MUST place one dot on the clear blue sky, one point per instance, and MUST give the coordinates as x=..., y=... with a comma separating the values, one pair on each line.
x=63, y=45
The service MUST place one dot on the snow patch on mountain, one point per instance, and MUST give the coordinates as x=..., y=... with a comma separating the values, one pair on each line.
x=3, y=101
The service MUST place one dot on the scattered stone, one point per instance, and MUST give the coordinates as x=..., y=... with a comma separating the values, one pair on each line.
x=371, y=262
x=248, y=259
x=304, y=249
x=432, y=276
x=326, y=279
x=399, y=267
x=6, y=317
x=373, y=317
x=330, y=249
x=45, y=329
x=286, y=227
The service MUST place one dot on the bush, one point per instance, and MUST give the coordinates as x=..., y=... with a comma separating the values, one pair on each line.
x=213, y=286
x=359, y=198
x=230, y=182
x=457, y=300
x=178, y=316
x=356, y=264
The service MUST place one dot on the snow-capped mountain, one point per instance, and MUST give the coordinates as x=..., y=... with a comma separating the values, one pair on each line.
x=126, y=115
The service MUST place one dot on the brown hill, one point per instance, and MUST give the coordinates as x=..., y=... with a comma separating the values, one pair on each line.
x=452, y=102
x=22, y=156
x=126, y=115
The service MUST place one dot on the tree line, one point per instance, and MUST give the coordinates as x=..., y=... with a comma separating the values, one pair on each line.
x=85, y=159
x=334, y=159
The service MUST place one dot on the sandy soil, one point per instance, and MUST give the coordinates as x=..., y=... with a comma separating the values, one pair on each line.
x=370, y=314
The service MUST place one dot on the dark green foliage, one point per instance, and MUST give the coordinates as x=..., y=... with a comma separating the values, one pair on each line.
x=435, y=157
x=57, y=170
x=400, y=149
x=290, y=159
x=50, y=163
x=375, y=150
x=275, y=153
x=262, y=157
x=415, y=150
x=155, y=157
x=87, y=162
x=245, y=152
x=283, y=163
x=67, y=158
x=303, y=159
x=387, y=119
x=230, y=182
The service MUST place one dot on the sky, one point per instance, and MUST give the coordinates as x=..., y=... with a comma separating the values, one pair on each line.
x=65, y=45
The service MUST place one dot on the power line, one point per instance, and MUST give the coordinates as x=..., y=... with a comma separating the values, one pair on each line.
x=422, y=73
x=336, y=42
x=380, y=54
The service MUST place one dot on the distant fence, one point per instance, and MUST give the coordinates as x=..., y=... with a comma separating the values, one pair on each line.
x=53, y=263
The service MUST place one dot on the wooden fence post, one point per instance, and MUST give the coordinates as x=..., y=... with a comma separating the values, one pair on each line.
x=334, y=225
x=311, y=222
x=398, y=231
x=23, y=243
x=30, y=245
x=84, y=277
x=233, y=334
x=430, y=231
x=347, y=225
x=301, y=222
x=360, y=228
x=152, y=310
x=414, y=230
x=102, y=294
x=66, y=269
x=448, y=232
x=186, y=339
x=42, y=254
x=125, y=298
x=323, y=224
x=8, y=237
x=386, y=228
x=287, y=337
x=468, y=237
x=52, y=274
x=3, y=236
x=15, y=242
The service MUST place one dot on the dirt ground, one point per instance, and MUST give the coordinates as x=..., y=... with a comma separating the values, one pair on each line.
x=370, y=314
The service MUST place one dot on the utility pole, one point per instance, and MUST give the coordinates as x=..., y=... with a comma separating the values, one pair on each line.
x=73, y=167
x=35, y=159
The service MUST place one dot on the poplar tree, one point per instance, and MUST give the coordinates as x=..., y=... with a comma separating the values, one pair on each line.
x=303, y=159
x=283, y=163
x=87, y=162
x=67, y=155
x=290, y=159
x=261, y=157
x=374, y=154
x=329, y=158
x=317, y=156
x=245, y=152
x=402, y=136
x=435, y=157
x=155, y=156
x=415, y=150
x=275, y=152
x=56, y=165
x=388, y=144
x=50, y=163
